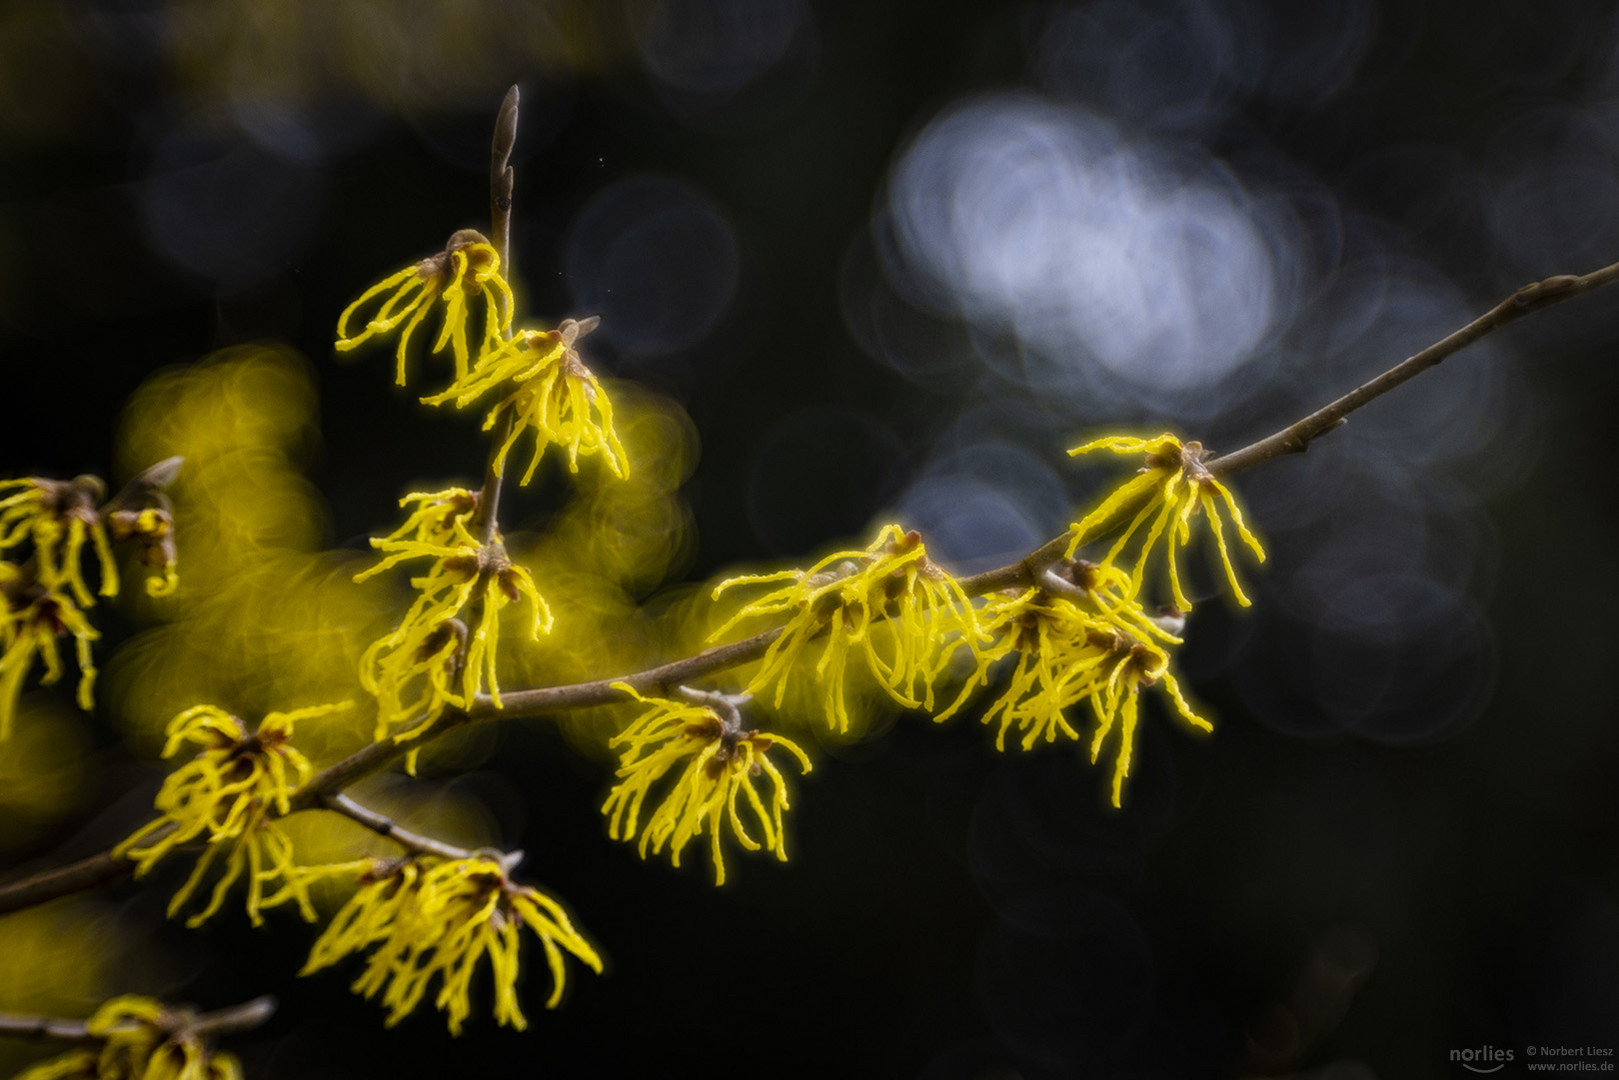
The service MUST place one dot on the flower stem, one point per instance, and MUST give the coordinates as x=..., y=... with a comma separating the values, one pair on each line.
x=502, y=184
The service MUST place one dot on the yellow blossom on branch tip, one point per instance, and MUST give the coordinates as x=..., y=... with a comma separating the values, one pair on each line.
x=901, y=611
x=142, y=1040
x=428, y=919
x=31, y=622
x=228, y=797
x=556, y=395
x=1169, y=489
x=717, y=759
x=468, y=267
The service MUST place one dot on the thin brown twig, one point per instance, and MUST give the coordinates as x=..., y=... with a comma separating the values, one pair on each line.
x=383, y=825
x=1296, y=437
x=502, y=188
x=244, y=1017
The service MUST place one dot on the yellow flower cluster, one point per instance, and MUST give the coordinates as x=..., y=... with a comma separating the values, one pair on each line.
x=1173, y=485
x=717, y=759
x=1075, y=641
x=45, y=597
x=430, y=660
x=426, y=918
x=468, y=266
x=142, y=1041
x=902, y=612
x=1081, y=634
x=545, y=385
x=228, y=796
x=558, y=398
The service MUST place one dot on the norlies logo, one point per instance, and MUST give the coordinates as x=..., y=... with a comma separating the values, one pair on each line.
x=1484, y=1059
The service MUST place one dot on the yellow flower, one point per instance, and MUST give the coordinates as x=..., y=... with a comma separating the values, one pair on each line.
x=30, y=624
x=556, y=395
x=891, y=591
x=58, y=516
x=153, y=527
x=524, y=356
x=228, y=796
x=719, y=760
x=468, y=266
x=1171, y=487
x=440, y=517
x=1067, y=655
x=143, y=1041
x=1132, y=664
x=430, y=918
x=430, y=661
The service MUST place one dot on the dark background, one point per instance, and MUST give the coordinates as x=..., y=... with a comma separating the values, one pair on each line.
x=884, y=256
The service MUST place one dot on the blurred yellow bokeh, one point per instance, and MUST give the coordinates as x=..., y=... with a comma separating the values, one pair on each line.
x=264, y=619
x=43, y=769
x=64, y=959
x=612, y=544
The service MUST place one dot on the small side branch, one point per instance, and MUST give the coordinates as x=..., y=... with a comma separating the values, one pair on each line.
x=502, y=185
x=1296, y=437
x=383, y=825
x=1022, y=574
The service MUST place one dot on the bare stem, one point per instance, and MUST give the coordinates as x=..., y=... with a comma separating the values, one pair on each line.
x=383, y=825
x=243, y=1017
x=502, y=184
x=502, y=179
x=1296, y=437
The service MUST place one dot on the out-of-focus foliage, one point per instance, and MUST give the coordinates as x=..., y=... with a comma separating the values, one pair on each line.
x=43, y=69
x=407, y=57
x=63, y=959
x=264, y=619
x=274, y=63
x=44, y=770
